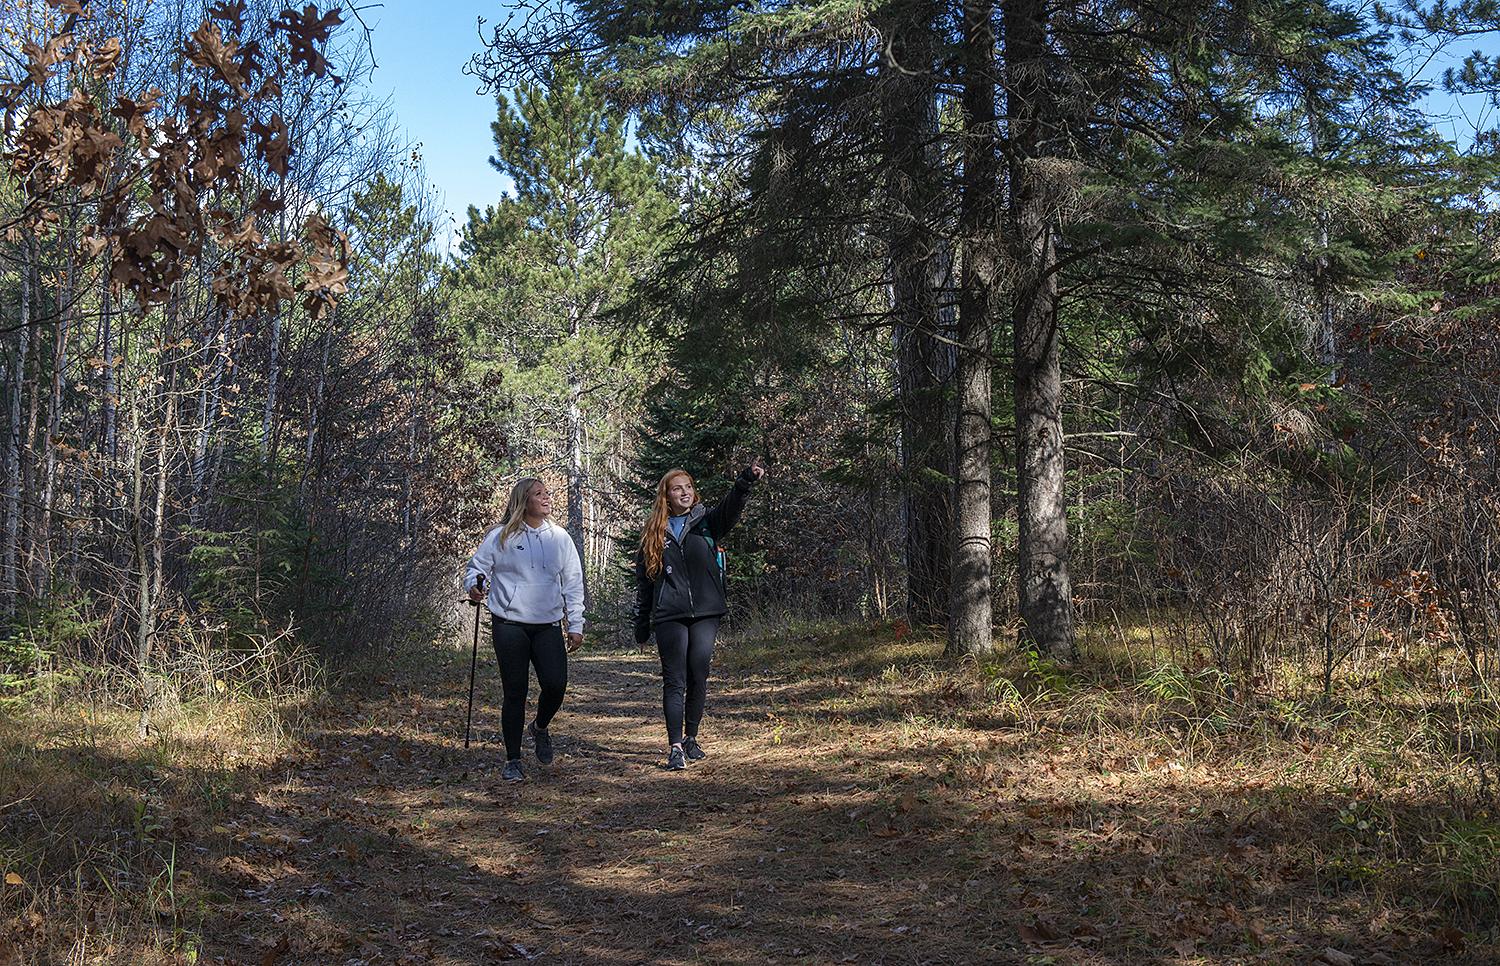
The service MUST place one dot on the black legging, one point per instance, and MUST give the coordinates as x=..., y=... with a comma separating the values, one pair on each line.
x=518, y=647
x=686, y=649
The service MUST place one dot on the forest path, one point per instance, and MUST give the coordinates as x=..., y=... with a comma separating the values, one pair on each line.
x=388, y=842
x=833, y=822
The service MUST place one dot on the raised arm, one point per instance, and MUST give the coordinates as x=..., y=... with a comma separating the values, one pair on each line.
x=722, y=518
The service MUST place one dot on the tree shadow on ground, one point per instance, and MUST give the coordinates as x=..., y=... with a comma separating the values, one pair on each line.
x=862, y=839
x=387, y=842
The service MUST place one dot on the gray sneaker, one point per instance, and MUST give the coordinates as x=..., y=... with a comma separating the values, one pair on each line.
x=675, y=759
x=692, y=749
x=543, y=743
x=513, y=772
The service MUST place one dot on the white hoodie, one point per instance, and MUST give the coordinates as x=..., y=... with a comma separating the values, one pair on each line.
x=534, y=579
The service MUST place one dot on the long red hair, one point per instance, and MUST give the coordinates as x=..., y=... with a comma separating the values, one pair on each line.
x=654, y=534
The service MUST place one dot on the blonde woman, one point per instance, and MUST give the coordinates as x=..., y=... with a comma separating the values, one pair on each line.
x=680, y=594
x=534, y=581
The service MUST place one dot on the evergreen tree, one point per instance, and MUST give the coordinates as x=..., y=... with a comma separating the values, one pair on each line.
x=543, y=271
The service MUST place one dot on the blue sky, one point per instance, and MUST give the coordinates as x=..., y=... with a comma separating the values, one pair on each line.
x=420, y=48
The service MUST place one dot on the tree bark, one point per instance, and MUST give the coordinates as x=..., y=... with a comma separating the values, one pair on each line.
x=151, y=556
x=970, y=628
x=918, y=268
x=208, y=415
x=42, y=560
x=273, y=377
x=1046, y=593
x=111, y=387
x=577, y=483
x=13, y=457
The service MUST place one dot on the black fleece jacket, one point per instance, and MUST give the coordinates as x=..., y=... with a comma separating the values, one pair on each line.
x=690, y=584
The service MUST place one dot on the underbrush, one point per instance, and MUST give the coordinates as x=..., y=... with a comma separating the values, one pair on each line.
x=107, y=783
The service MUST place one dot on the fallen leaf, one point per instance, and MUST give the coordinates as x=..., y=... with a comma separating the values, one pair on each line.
x=1333, y=957
x=1451, y=939
x=1039, y=931
x=12, y=879
x=274, y=954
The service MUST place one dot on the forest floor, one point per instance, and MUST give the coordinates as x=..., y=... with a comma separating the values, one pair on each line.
x=862, y=802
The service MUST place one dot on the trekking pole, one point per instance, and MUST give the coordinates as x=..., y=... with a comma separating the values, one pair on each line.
x=473, y=658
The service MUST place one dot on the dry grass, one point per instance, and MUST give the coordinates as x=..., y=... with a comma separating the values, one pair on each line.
x=98, y=826
x=864, y=802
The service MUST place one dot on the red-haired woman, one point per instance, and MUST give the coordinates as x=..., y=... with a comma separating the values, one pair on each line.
x=680, y=594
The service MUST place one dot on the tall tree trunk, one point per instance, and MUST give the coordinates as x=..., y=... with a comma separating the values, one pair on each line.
x=110, y=389
x=144, y=625
x=315, y=417
x=577, y=483
x=151, y=555
x=13, y=452
x=273, y=378
x=917, y=266
x=105, y=523
x=1323, y=340
x=26, y=545
x=53, y=427
x=208, y=415
x=1046, y=592
x=412, y=461
x=970, y=628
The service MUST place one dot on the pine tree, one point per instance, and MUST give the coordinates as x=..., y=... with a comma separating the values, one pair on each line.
x=545, y=267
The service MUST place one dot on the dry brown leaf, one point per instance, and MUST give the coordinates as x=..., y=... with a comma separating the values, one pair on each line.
x=274, y=954
x=305, y=31
x=1450, y=938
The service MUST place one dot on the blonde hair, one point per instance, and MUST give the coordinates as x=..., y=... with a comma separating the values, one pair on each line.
x=515, y=507
x=654, y=534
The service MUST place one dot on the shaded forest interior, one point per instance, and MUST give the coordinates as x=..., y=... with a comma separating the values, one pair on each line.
x=1128, y=378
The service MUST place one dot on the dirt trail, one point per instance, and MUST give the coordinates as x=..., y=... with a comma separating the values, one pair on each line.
x=388, y=842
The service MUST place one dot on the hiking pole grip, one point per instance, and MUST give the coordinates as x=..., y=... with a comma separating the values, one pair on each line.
x=473, y=658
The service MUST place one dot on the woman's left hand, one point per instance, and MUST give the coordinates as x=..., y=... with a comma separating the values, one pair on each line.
x=575, y=641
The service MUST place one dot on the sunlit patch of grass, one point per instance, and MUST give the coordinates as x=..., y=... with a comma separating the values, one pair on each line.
x=98, y=825
x=1380, y=742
